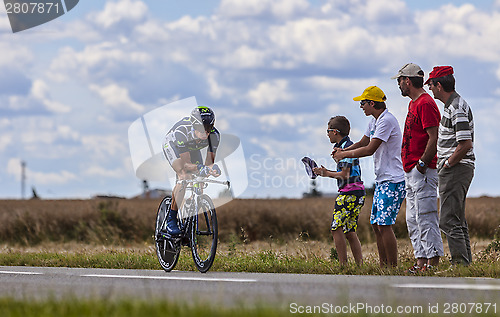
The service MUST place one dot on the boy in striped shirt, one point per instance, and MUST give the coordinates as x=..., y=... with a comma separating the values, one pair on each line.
x=351, y=196
x=455, y=161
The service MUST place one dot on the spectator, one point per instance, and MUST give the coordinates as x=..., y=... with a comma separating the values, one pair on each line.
x=382, y=139
x=351, y=196
x=455, y=162
x=418, y=153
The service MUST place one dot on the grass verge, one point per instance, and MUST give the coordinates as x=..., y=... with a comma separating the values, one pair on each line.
x=139, y=308
x=309, y=257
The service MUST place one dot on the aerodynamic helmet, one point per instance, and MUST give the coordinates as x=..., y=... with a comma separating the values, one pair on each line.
x=203, y=118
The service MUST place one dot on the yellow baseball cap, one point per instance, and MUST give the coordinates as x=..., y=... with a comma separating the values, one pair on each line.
x=372, y=93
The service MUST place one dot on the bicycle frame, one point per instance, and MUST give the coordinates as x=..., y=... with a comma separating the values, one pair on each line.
x=196, y=187
x=195, y=205
x=196, y=192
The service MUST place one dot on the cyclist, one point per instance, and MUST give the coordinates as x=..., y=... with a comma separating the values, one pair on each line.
x=182, y=146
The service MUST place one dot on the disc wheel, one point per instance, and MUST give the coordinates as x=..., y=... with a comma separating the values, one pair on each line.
x=167, y=250
x=204, y=235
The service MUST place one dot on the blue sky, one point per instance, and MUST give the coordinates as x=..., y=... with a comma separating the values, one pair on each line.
x=273, y=70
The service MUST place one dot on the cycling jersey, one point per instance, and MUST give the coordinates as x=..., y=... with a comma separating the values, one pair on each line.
x=181, y=139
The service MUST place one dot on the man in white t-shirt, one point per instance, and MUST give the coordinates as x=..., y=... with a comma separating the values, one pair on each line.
x=383, y=140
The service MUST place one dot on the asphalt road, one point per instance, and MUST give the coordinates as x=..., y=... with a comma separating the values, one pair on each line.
x=294, y=292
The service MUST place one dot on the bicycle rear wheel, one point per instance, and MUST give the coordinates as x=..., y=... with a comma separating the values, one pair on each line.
x=167, y=250
x=204, y=235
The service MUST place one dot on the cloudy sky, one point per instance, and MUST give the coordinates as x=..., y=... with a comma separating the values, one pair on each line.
x=273, y=70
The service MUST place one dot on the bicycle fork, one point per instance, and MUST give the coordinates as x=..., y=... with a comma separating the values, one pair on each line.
x=209, y=230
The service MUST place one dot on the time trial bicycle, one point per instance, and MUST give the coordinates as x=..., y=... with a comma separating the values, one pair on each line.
x=198, y=225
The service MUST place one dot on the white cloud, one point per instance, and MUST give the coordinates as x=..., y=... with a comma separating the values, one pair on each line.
x=4, y=122
x=14, y=168
x=14, y=54
x=40, y=91
x=67, y=133
x=247, y=57
x=40, y=178
x=4, y=23
x=248, y=8
x=333, y=108
x=244, y=57
x=187, y=24
x=282, y=121
x=95, y=61
x=268, y=93
x=239, y=8
x=122, y=10
x=105, y=172
x=384, y=10
x=36, y=102
x=54, y=178
x=223, y=124
x=117, y=97
x=38, y=134
x=55, y=106
x=150, y=31
x=275, y=148
x=5, y=141
x=333, y=43
x=340, y=84
x=105, y=146
x=216, y=89
x=459, y=32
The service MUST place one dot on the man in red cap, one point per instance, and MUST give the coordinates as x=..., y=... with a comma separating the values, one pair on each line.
x=418, y=153
x=455, y=161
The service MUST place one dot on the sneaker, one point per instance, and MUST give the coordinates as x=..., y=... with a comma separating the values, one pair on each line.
x=427, y=268
x=414, y=269
x=309, y=165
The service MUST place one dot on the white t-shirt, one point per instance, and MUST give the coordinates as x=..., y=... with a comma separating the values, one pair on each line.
x=387, y=158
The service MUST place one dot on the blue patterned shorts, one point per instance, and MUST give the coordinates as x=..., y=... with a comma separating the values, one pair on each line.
x=387, y=200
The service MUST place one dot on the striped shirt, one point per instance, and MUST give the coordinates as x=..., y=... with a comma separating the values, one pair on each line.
x=456, y=125
x=353, y=183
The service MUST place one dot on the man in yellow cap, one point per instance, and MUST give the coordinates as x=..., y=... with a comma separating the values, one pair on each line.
x=383, y=140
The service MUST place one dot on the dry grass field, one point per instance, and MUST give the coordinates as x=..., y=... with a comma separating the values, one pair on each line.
x=121, y=222
x=281, y=235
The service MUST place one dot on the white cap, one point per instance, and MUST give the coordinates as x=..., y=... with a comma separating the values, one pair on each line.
x=409, y=70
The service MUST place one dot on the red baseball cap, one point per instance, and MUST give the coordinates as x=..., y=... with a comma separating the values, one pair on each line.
x=439, y=71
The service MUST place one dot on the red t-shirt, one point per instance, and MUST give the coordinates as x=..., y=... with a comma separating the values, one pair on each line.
x=423, y=113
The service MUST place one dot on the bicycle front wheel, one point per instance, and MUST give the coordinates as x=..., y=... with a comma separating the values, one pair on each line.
x=167, y=250
x=204, y=235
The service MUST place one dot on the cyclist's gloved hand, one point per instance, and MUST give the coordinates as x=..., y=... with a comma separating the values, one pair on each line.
x=216, y=170
x=203, y=170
